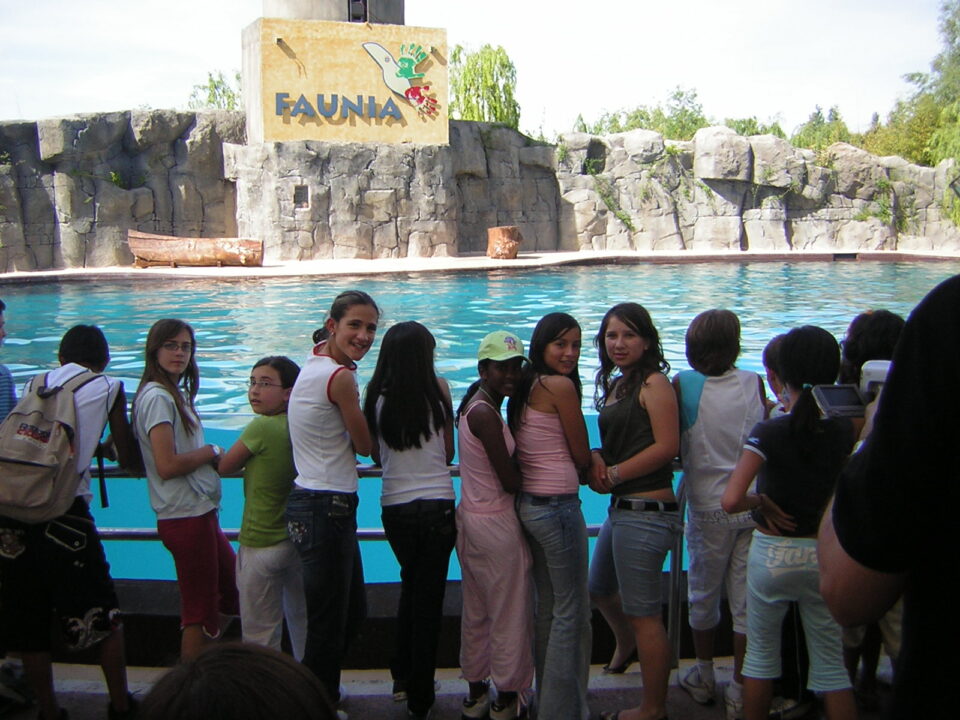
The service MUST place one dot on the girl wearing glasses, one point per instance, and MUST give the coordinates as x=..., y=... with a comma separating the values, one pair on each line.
x=269, y=574
x=183, y=483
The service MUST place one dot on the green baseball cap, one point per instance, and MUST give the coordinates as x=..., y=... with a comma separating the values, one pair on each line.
x=500, y=345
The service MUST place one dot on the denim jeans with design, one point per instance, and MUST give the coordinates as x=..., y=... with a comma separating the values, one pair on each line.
x=323, y=528
x=557, y=535
x=422, y=534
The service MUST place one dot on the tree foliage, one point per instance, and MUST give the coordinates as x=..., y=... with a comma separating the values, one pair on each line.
x=909, y=130
x=818, y=132
x=677, y=119
x=216, y=94
x=483, y=86
x=752, y=126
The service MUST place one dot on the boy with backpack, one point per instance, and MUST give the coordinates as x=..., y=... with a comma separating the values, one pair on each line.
x=58, y=566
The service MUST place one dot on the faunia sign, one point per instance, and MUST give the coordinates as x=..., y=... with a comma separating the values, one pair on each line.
x=345, y=82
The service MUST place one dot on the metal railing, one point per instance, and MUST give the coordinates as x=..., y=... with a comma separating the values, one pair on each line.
x=377, y=534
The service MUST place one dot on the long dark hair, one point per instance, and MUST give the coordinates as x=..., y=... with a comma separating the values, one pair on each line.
x=469, y=393
x=161, y=332
x=634, y=316
x=549, y=328
x=809, y=356
x=413, y=407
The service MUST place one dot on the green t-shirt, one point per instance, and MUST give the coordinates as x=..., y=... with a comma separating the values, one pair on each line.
x=267, y=480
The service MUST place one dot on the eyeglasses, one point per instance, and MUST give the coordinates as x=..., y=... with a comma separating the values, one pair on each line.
x=173, y=346
x=262, y=383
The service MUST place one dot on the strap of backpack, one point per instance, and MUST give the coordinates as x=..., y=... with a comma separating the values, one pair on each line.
x=79, y=380
x=104, y=500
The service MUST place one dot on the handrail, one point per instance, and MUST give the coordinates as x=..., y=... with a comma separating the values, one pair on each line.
x=377, y=534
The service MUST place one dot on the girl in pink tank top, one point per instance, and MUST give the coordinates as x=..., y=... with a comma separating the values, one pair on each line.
x=553, y=450
x=496, y=622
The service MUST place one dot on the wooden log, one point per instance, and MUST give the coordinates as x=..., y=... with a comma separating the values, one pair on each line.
x=150, y=249
x=503, y=242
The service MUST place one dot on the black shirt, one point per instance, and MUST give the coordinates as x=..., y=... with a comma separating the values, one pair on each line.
x=800, y=475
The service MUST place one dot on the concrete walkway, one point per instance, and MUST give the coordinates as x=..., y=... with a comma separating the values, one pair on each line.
x=370, y=693
x=466, y=262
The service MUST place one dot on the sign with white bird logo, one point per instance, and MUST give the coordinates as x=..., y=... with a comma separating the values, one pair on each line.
x=346, y=82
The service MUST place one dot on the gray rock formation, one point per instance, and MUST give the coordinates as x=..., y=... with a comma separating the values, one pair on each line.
x=310, y=200
x=723, y=192
x=70, y=188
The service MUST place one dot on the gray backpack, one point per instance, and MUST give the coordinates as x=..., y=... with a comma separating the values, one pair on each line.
x=38, y=463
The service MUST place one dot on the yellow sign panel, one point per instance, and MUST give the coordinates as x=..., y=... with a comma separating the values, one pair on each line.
x=349, y=82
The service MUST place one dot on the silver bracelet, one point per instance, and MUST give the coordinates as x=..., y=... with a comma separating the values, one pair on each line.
x=613, y=474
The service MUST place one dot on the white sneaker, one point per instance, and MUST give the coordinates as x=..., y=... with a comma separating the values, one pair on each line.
x=701, y=692
x=734, y=706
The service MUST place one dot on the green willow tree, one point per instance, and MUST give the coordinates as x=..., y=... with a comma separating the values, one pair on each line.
x=483, y=86
x=216, y=94
x=677, y=119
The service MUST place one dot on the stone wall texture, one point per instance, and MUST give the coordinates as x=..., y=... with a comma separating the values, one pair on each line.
x=70, y=188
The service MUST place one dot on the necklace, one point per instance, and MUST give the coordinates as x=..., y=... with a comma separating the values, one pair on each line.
x=489, y=397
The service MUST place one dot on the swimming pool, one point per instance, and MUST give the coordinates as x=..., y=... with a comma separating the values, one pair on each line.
x=239, y=321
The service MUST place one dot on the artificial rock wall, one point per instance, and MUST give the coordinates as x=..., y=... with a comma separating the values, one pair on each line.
x=313, y=199
x=725, y=192
x=70, y=188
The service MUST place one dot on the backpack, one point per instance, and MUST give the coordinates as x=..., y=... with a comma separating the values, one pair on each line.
x=38, y=463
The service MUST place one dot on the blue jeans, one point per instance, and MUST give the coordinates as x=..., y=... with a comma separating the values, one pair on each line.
x=557, y=535
x=323, y=528
x=422, y=534
x=628, y=558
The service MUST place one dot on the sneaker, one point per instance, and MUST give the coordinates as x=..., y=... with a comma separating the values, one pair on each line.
x=734, y=707
x=789, y=709
x=701, y=692
x=129, y=714
x=473, y=708
x=509, y=711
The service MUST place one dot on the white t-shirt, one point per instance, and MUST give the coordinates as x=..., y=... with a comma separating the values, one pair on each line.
x=93, y=403
x=190, y=495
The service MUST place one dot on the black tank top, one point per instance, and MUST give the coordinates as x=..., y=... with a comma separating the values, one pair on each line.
x=625, y=430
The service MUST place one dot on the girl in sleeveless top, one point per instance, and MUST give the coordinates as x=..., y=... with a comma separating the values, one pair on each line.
x=410, y=416
x=327, y=431
x=552, y=448
x=639, y=432
x=495, y=626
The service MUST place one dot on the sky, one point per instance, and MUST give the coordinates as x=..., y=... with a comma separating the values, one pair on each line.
x=775, y=60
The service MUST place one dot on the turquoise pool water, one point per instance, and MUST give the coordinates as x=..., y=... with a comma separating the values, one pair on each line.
x=239, y=321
